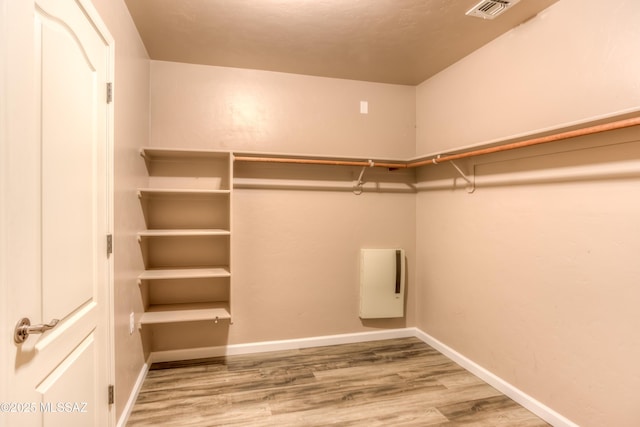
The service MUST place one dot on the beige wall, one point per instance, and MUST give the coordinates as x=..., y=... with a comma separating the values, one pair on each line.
x=534, y=276
x=296, y=260
x=131, y=97
x=295, y=252
x=572, y=63
x=249, y=110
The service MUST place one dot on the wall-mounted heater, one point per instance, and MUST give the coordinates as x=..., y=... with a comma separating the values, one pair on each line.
x=382, y=280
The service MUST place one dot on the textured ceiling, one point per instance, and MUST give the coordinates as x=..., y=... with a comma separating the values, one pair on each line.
x=389, y=41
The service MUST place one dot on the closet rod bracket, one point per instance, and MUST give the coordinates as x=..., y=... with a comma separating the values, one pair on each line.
x=357, y=188
x=471, y=185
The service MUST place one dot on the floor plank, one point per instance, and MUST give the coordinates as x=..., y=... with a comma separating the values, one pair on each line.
x=399, y=382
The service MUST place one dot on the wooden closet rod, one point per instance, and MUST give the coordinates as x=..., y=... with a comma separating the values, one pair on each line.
x=590, y=130
x=304, y=161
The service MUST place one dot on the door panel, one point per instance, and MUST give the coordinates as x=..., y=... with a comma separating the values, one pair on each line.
x=69, y=390
x=69, y=172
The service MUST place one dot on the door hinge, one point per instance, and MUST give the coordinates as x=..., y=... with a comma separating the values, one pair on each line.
x=109, y=244
x=109, y=92
x=111, y=394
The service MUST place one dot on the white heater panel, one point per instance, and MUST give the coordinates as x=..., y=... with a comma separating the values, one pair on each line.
x=382, y=280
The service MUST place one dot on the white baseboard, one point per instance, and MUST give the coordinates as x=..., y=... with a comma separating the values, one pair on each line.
x=124, y=417
x=293, y=344
x=541, y=410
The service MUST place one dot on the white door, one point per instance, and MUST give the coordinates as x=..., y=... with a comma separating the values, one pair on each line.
x=56, y=214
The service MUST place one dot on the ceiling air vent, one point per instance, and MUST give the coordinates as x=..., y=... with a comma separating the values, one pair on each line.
x=489, y=9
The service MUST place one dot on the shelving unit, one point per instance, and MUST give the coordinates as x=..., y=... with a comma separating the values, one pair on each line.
x=187, y=244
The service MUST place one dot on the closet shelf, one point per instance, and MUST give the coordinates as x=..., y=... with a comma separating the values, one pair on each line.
x=150, y=192
x=176, y=154
x=436, y=159
x=183, y=232
x=185, y=273
x=173, y=313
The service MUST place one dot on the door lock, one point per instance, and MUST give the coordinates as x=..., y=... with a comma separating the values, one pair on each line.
x=24, y=328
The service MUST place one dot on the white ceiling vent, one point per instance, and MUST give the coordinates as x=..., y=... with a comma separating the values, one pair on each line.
x=489, y=9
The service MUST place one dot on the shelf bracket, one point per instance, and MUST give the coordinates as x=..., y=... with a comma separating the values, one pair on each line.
x=471, y=186
x=357, y=188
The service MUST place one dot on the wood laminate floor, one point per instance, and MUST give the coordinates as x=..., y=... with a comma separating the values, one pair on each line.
x=399, y=382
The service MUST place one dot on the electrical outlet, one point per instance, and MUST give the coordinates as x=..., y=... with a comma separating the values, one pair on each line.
x=132, y=322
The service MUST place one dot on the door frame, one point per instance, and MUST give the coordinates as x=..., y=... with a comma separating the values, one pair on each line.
x=14, y=14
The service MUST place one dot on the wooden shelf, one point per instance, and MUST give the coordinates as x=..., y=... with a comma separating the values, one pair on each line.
x=184, y=233
x=151, y=192
x=173, y=313
x=185, y=273
x=171, y=169
x=150, y=153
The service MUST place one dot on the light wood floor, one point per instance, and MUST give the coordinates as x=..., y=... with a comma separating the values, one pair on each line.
x=400, y=382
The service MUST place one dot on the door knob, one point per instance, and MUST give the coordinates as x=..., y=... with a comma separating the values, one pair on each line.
x=24, y=328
